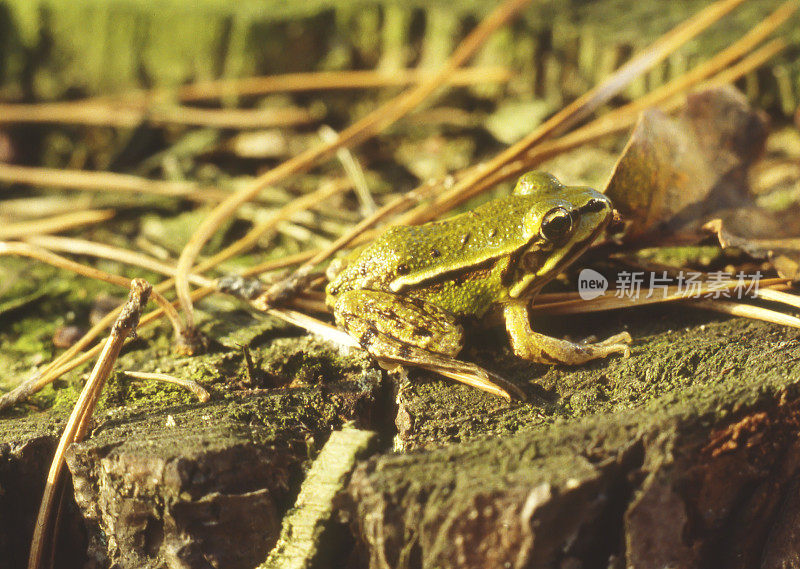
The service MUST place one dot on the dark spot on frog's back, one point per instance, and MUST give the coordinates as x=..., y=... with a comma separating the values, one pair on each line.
x=492, y=232
x=403, y=269
x=465, y=238
x=435, y=253
x=367, y=336
x=421, y=332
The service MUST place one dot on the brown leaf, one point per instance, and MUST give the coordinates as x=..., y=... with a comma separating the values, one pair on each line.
x=677, y=173
x=784, y=254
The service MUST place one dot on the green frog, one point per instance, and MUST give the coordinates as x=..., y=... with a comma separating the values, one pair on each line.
x=404, y=296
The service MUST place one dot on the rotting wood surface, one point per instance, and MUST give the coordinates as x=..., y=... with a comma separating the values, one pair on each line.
x=684, y=454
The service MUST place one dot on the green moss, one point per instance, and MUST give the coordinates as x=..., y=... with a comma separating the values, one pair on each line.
x=683, y=256
x=682, y=361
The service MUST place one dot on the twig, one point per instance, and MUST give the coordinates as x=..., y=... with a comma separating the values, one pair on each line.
x=55, y=223
x=356, y=133
x=78, y=422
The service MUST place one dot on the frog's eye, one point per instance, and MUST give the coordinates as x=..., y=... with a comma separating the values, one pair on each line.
x=556, y=224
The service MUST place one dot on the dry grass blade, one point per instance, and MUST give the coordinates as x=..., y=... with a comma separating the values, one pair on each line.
x=255, y=234
x=354, y=134
x=36, y=207
x=55, y=224
x=103, y=251
x=318, y=327
x=747, y=311
x=329, y=80
x=353, y=170
x=72, y=357
x=282, y=263
x=752, y=61
x=40, y=254
x=99, y=114
x=192, y=386
x=478, y=382
x=297, y=82
x=779, y=296
x=106, y=182
x=583, y=106
x=622, y=118
x=77, y=424
x=571, y=303
x=687, y=298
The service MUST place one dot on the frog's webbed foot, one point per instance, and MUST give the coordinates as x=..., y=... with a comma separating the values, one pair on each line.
x=545, y=349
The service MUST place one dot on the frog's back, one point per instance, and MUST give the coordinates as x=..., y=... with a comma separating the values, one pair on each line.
x=405, y=255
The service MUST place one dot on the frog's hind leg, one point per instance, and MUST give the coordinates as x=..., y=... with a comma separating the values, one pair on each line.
x=409, y=331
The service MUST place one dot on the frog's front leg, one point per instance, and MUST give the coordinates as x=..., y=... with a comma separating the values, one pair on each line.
x=545, y=349
x=410, y=331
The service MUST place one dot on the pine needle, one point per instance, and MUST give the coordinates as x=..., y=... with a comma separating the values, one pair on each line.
x=358, y=132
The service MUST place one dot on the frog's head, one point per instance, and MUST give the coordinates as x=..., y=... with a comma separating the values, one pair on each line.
x=562, y=222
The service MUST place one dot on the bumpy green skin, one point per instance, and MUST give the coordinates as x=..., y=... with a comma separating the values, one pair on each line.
x=397, y=292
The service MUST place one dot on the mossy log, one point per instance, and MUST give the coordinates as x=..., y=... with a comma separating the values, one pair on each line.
x=685, y=455
x=182, y=486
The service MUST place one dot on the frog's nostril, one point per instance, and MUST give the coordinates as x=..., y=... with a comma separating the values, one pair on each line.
x=595, y=205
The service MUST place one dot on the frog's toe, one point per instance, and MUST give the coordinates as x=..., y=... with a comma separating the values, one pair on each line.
x=616, y=344
x=621, y=338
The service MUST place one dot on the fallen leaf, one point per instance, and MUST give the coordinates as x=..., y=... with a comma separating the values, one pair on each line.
x=677, y=173
x=784, y=254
